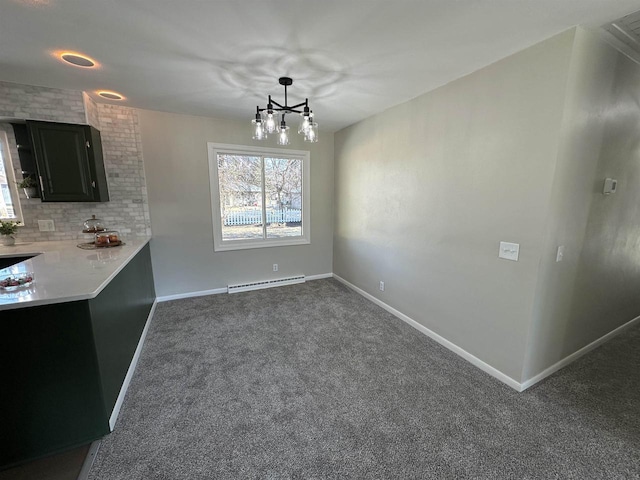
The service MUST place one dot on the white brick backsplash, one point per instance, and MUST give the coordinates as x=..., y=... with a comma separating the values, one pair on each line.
x=127, y=210
x=91, y=110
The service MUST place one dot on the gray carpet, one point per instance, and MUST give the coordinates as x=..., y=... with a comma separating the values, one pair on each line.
x=313, y=381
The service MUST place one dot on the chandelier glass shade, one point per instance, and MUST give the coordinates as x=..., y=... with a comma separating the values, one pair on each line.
x=271, y=119
x=283, y=135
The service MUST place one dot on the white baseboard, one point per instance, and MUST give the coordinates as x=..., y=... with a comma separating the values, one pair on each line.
x=89, y=459
x=216, y=291
x=132, y=368
x=485, y=367
x=520, y=387
x=201, y=293
x=578, y=353
x=320, y=276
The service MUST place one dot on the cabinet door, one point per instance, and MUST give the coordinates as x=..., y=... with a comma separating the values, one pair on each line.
x=96, y=165
x=25, y=152
x=62, y=161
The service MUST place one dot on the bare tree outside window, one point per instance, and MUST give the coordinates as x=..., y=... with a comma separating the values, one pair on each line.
x=283, y=191
x=240, y=181
x=260, y=197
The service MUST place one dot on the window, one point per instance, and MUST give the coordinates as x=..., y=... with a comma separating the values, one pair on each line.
x=9, y=206
x=259, y=196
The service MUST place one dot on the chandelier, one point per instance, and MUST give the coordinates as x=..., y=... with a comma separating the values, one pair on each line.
x=266, y=121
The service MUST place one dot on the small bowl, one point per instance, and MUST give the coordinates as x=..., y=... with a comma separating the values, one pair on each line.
x=14, y=281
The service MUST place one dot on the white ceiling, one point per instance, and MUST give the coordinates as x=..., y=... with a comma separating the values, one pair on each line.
x=352, y=58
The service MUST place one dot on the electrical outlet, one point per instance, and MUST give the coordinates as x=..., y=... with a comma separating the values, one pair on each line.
x=382, y=286
x=275, y=267
x=46, y=226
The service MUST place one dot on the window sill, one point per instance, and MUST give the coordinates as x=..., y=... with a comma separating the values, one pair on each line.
x=248, y=244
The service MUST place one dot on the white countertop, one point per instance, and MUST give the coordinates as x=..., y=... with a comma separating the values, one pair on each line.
x=63, y=272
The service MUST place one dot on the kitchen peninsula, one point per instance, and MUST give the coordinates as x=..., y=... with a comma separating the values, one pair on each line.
x=69, y=342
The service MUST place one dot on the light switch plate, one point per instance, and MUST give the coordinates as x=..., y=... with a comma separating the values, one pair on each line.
x=560, y=254
x=509, y=251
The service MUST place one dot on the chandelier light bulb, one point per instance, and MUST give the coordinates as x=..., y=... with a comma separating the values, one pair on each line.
x=270, y=124
x=307, y=118
x=311, y=135
x=258, y=130
x=283, y=136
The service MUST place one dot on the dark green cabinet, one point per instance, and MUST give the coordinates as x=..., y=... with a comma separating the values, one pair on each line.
x=69, y=162
x=62, y=366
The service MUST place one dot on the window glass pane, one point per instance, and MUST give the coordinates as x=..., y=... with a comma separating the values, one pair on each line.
x=240, y=179
x=6, y=203
x=283, y=194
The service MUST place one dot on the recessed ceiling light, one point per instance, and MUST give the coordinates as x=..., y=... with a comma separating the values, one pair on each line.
x=111, y=95
x=78, y=60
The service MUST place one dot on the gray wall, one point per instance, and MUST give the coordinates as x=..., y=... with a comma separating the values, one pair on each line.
x=426, y=191
x=595, y=289
x=517, y=151
x=176, y=165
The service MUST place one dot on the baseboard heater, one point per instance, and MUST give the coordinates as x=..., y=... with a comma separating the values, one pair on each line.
x=245, y=287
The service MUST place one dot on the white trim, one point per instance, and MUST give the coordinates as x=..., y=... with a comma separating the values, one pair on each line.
x=220, y=245
x=268, y=242
x=132, y=368
x=485, y=367
x=217, y=291
x=257, y=149
x=89, y=459
x=201, y=293
x=494, y=372
x=10, y=173
x=578, y=353
x=320, y=276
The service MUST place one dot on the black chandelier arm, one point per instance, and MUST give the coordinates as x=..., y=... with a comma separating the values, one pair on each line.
x=285, y=110
x=286, y=107
x=303, y=104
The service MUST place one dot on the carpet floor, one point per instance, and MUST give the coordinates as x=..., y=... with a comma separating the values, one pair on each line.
x=312, y=381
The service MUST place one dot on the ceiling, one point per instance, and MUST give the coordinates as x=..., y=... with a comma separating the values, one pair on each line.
x=351, y=58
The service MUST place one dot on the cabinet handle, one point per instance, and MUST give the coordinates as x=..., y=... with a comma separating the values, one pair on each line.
x=41, y=184
x=88, y=144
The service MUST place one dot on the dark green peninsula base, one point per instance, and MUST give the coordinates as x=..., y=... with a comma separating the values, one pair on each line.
x=63, y=366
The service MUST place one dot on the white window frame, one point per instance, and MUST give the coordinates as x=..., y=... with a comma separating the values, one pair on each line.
x=11, y=179
x=221, y=245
